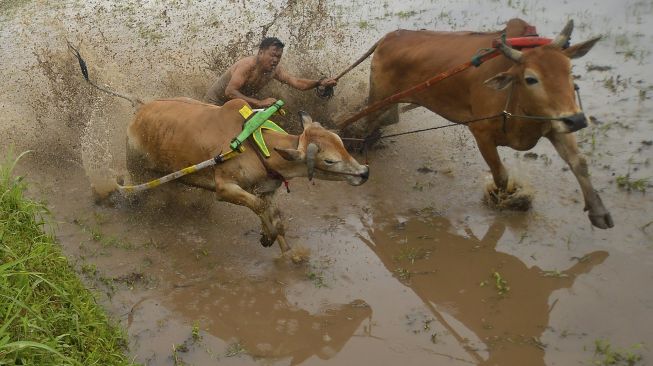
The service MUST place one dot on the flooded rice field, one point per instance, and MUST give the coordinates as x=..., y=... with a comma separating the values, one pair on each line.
x=410, y=268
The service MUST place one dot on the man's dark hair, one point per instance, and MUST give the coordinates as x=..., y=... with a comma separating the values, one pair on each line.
x=268, y=42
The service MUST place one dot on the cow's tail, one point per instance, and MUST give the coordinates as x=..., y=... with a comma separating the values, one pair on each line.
x=82, y=64
x=361, y=59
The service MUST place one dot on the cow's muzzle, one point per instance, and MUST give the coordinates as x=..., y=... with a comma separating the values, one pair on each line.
x=575, y=122
x=362, y=177
x=365, y=174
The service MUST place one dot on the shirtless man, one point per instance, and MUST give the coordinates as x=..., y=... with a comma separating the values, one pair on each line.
x=249, y=75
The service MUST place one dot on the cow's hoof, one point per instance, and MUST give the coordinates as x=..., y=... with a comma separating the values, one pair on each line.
x=516, y=196
x=602, y=221
x=519, y=200
x=298, y=255
x=265, y=241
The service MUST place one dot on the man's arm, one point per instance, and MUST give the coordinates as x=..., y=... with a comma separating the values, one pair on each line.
x=238, y=79
x=299, y=83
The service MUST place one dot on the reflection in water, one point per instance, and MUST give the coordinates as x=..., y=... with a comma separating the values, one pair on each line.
x=256, y=313
x=459, y=276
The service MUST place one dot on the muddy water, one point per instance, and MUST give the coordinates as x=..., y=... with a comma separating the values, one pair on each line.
x=409, y=268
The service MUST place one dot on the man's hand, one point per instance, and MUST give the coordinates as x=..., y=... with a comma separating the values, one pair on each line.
x=265, y=102
x=327, y=82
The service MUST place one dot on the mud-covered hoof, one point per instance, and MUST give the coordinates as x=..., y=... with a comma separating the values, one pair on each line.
x=602, y=221
x=516, y=196
x=298, y=255
x=106, y=199
x=505, y=200
x=265, y=241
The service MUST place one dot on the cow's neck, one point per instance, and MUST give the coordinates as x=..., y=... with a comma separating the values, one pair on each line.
x=288, y=169
x=521, y=133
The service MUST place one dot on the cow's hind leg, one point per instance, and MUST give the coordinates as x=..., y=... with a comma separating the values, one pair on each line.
x=370, y=125
x=566, y=146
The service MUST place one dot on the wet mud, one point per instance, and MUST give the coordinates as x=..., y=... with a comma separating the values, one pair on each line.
x=410, y=268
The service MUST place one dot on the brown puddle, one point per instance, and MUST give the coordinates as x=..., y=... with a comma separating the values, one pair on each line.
x=469, y=286
x=410, y=268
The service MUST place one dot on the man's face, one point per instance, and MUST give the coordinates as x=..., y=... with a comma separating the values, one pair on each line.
x=269, y=58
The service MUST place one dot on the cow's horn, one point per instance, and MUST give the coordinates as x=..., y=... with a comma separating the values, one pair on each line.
x=311, y=151
x=562, y=38
x=510, y=52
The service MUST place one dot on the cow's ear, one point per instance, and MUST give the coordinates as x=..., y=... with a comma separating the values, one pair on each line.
x=499, y=81
x=290, y=154
x=580, y=49
x=306, y=119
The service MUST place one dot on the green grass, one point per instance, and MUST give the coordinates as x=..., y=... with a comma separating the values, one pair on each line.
x=605, y=354
x=47, y=316
x=500, y=283
x=629, y=184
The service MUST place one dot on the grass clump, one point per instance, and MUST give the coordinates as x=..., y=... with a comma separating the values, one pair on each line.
x=629, y=184
x=606, y=355
x=47, y=316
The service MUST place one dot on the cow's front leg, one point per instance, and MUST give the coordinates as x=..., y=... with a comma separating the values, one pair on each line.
x=491, y=155
x=233, y=193
x=566, y=146
x=273, y=216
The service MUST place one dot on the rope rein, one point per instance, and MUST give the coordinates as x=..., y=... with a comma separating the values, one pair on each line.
x=505, y=114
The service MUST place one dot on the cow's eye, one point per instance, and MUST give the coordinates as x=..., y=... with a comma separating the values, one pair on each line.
x=531, y=80
x=329, y=162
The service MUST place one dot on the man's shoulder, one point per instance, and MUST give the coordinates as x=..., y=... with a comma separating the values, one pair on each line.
x=246, y=62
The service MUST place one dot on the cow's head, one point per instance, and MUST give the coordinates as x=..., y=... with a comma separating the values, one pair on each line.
x=542, y=82
x=325, y=155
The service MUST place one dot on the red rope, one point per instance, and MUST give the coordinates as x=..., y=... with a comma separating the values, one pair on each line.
x=417, y=88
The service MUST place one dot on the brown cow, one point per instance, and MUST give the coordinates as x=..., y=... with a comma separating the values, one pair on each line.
x=536, y=82
x=171, y=134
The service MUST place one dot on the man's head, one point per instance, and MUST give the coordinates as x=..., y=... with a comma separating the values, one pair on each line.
x=269, y=53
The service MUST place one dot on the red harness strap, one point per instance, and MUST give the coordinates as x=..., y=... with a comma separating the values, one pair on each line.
x=523, y=42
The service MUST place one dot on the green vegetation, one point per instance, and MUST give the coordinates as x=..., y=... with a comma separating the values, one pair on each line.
x=97, y=235
x=604, y=355
x=47, y=316
x=364, y=24
x=412, y=254
x=317, y=278
x=196, y=331
x=629, y=184
x=403, y=274
x=500, y=284
x=7, y=7
x=235, y=349
x=554, y=273
x=406, y=14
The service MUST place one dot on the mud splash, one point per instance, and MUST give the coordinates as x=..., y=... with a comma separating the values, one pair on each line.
x=409, y=269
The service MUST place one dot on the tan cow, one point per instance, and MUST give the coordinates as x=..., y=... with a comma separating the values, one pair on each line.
x=171, y=134
x=536, y=82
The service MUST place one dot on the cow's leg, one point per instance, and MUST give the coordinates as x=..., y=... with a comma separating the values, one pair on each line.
x=231, y=192
x=491, y=155
x=566, y=146
x=386, y=116
x=370, y=125
x=274, y=217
